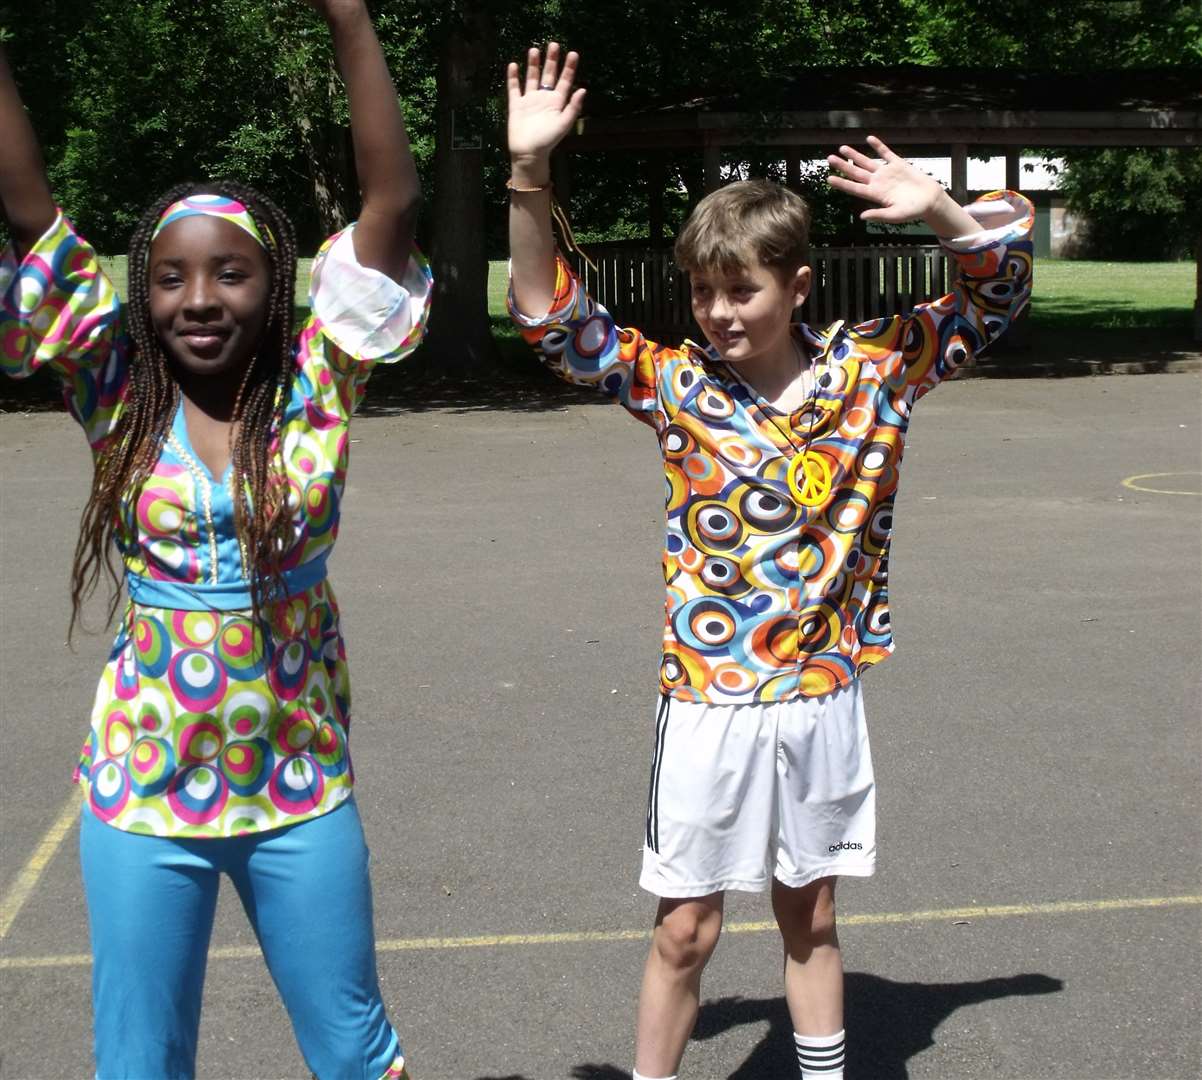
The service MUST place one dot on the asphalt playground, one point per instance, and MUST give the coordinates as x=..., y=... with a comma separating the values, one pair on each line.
x=1038, y=901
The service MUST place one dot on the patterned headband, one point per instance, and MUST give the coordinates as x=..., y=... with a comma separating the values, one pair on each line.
x=218, y=206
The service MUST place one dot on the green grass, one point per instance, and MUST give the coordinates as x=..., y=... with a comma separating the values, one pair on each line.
x=498, y=286
x=1079, y=294
x=116, y=268
x=1069, y=294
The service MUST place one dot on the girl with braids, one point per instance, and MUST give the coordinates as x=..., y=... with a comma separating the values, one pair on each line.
x=218, y=740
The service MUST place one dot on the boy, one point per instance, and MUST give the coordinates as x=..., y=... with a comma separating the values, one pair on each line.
x=781, y=449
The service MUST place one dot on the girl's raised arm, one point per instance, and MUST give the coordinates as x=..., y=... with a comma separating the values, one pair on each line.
x=387, y=175
x=24, y=190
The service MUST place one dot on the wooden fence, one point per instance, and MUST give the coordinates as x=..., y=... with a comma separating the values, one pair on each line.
x=642, y=287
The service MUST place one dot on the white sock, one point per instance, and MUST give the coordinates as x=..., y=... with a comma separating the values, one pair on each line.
x=820, y=1056
x=636, y=1075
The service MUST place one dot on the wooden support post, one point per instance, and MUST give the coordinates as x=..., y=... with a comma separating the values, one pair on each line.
x=657, y=179
x=793, y=168
x=1013, y=169
x=712, y=167
x=960, y=172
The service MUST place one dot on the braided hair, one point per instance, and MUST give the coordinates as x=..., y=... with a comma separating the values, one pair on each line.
x=262, y=517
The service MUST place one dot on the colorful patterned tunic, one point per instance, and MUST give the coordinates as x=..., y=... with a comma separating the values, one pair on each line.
x=768, y=599
x=201, y=727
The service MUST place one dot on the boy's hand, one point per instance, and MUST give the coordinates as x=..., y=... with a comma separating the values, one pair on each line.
x=540, y=113
x=905, y=193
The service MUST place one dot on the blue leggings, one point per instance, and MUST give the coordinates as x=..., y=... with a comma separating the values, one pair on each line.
x=305, y=889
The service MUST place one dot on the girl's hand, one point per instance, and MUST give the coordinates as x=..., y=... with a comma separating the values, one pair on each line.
x=904, y=192
x=333, y=10
x=384, y=165
x=543, y=112
x=25, y=200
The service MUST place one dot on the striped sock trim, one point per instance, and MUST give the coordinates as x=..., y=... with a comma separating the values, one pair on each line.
x=820, y=1056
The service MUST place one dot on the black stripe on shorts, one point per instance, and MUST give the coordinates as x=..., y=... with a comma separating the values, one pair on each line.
x=657, y=762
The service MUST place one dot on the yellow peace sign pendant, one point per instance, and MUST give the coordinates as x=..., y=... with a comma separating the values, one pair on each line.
x=810, y=478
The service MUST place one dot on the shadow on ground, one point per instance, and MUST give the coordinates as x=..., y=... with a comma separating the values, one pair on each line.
x=1050, y=347
x=887, y=1024
x=517, y=383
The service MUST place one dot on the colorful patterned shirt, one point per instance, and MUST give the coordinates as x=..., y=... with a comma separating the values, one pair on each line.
x=201, y=727
x=768, y=599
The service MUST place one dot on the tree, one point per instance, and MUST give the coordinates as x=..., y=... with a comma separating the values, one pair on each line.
x=1140, y=203
x=144, y=95
x=460, y=337
x=1086, y=35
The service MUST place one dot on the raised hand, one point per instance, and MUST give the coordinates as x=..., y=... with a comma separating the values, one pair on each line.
x=542, y=111
x=903, y=192
x=332, y=10
x=384, y=165
x=25, y=199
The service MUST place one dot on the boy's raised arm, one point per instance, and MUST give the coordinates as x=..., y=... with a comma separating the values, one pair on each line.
x=541, y=112
x=989, y=240
x=903, y=192
x=387, y=174
x=24, y=190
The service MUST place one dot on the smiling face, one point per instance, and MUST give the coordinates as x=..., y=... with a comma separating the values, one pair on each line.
x=746, y=314
x=209, y=284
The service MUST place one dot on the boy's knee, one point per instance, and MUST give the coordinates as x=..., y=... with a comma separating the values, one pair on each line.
x=687, y=935
x=806, y=915
x=822, y=917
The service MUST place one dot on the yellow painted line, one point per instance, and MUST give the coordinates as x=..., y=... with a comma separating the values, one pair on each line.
x=490, y=941
x=996, y=911
x=27, y=879
x=1130, y=482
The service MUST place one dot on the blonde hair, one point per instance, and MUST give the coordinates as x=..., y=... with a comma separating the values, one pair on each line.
x=749, y=219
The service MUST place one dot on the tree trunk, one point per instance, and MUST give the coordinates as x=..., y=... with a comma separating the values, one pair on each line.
x=460, y=340
x=323, y=145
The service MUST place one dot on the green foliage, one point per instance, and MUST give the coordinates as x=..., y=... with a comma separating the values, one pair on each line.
x=146, y=95
x=1085, y=35
x=141, y=95
x=1141, y=203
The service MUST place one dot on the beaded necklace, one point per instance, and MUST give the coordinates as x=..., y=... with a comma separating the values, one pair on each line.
x=202, y=484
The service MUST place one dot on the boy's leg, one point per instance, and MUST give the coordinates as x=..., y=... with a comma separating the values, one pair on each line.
x=710, y=826
x=307, y=893
x=813, y=962
x=151, y=902
x=827, y=828
x=686, y=932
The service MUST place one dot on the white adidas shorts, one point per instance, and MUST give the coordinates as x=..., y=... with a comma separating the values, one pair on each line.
x=741, y=794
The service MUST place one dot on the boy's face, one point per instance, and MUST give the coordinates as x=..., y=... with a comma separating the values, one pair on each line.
x=746, y=315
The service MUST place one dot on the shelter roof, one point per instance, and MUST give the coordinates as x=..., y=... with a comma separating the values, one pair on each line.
x=923, y=105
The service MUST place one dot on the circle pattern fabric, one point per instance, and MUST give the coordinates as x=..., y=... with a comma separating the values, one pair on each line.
x=204, y=725
x=199, y=734
x=777, y=527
